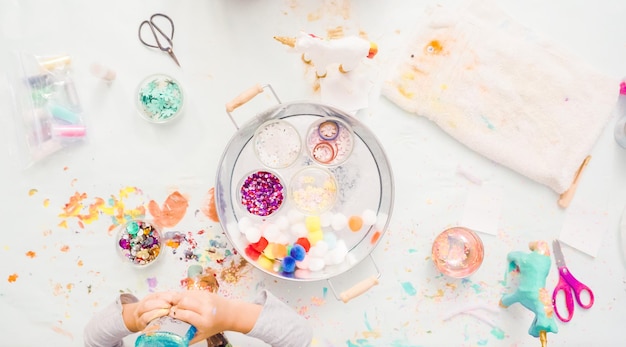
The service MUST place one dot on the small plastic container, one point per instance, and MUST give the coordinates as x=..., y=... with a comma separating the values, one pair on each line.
x=457, y=252
x=262, y=193
x=277, y=144
x=159, y=99
x=139, y=243
x=329, y=141
x=313, y=190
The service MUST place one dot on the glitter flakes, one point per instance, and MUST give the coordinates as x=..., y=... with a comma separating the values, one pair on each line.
x=262, y=193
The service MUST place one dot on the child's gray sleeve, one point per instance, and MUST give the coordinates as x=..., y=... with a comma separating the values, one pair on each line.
x=106, y=328
x=279, y=325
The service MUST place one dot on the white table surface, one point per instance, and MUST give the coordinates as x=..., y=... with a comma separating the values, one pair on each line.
x=225, y=47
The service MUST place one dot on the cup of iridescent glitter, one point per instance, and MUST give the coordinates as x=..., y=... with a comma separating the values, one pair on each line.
x=457, y=252
x=277, y=144
x=139, y=243
x=159, y=98
x=262, y=193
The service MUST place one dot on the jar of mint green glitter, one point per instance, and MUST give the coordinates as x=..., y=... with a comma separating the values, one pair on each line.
x=160, y=98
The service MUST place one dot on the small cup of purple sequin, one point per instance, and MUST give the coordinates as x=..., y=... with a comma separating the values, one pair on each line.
x=139, y=243
x=262, y=193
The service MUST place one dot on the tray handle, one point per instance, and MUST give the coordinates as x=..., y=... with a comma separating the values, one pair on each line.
x=358, y=288
x=246, y=96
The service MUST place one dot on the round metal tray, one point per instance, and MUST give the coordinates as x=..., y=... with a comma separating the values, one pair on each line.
x=364, y=182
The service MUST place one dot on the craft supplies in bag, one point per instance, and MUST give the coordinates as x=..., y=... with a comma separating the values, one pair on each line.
x=504, y=92
x=47, y=112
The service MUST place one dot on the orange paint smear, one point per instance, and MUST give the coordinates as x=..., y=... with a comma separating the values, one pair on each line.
x=375, y=237
x=114, y=207
x=31, y=254
x=65, y=248
x=13, y=278
x=210, y=210
x=171, y=213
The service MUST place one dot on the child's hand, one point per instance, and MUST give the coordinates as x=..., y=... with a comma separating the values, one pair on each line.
x=137, y=315
x=212, y=314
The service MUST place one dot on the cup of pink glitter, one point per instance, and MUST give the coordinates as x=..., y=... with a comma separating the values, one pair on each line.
x=262, y=193
x=457, y=252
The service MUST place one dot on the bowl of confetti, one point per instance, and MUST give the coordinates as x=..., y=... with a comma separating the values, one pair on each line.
x=159, y=99
x=139, y=243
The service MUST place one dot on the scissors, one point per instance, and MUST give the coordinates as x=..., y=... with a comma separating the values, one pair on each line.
x=568, y=284
x=156, y=30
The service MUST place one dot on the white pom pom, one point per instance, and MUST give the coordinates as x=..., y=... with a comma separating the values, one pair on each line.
x=316, y=264
x=339, y=221
x=271, y=232
x=369, y=217
x=325, y=219
x=244, y=223
x=253, y=234
x=299, y=229
x=295, y=216
x=282, y=222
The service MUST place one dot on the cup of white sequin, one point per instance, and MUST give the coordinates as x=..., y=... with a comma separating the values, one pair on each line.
x=139, y=243
x=329, y=141
x=277, y=144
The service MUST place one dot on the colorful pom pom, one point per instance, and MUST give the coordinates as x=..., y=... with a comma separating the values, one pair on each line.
x=289, y=264
x=297, y=252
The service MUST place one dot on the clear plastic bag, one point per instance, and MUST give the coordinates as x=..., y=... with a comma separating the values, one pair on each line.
x=47, y=112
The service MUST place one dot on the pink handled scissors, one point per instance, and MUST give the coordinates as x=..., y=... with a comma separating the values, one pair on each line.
x=568, y=284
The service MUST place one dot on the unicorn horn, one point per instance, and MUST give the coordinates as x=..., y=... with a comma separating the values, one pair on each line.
x=289, y=41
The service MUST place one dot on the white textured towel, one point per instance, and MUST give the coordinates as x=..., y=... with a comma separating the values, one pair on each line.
x=504, y=92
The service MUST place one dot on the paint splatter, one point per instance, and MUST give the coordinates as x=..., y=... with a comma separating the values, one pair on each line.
x=152, y=283
x=234, y=272
x=113, y=207
x=12, y=278
x=63, y=332
x=408, y=288
x=315, y=301
x=65, y=248
x=31, y=254
x=32, y=192
x=498, y=333
x=46, y=202
x=209, y=209
x=174, y=239
x=172, y=211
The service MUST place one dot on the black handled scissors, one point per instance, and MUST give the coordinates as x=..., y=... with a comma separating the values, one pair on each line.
x=158, y=31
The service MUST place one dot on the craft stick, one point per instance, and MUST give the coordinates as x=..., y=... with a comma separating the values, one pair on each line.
x=566, y=198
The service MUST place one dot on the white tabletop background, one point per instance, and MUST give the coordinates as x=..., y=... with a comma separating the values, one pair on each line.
x=225, y=47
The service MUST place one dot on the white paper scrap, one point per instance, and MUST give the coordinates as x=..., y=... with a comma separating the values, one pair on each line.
x=483, y=208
